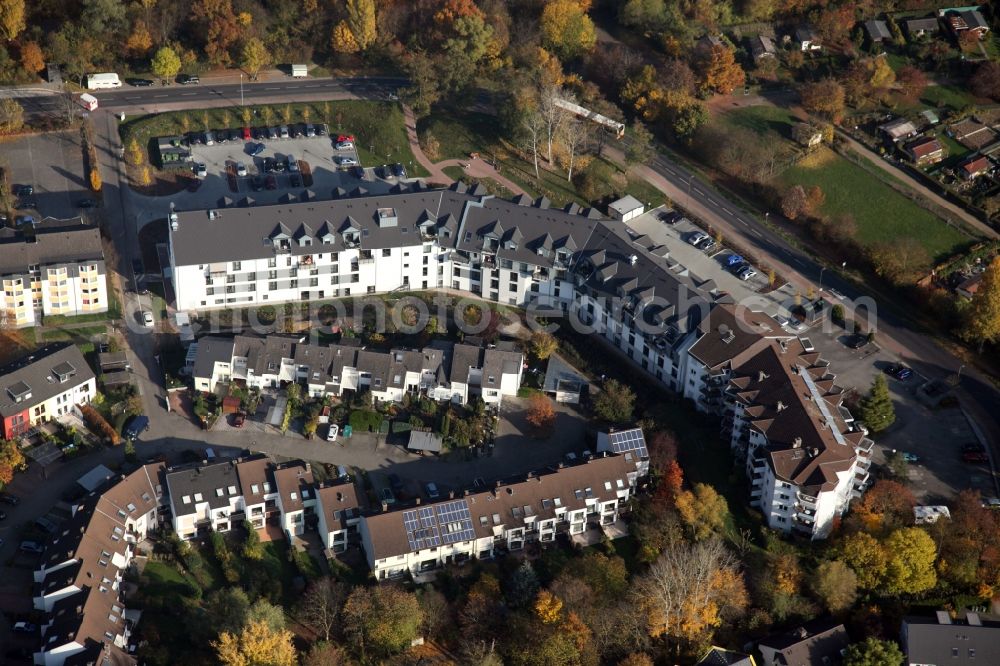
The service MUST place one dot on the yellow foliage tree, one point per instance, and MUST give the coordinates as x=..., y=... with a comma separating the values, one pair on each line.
x=703, y=511
x=361, y=20
x=982, y=323
x=11, y=19
x=32, y=59
x=256, y=645
x=95, y=179
x=865, y=555
x=145, y=177
x=342, y=40
x=11, y=460
x=566, y=29
x=548, y=607
x=787, y=574
x=139, y=42
x=134, y=153
x=719, y=70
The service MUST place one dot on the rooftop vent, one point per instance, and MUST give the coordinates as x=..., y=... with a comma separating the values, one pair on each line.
x=632, y=259
x=797, y=443
x=781, y=406
x=213, y=214
x=761, y=376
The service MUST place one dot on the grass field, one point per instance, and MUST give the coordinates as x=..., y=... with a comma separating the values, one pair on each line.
x=378, y=126
x=947, y=96
x=882, y=215
x=760, y=119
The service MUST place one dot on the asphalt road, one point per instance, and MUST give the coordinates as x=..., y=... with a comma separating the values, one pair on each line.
x=147, y=100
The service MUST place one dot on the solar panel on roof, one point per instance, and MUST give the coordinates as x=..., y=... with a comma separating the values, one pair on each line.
x=628, y=440
x=429, y=526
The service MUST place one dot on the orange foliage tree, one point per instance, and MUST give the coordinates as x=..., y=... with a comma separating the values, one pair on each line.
x=540, y=411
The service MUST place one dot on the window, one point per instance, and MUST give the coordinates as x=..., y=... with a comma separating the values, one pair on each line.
x=294, y=496
x=186, y=499
x=218, y=492
x=231, y=490
x=255, y=489
x=198, y=497
x=387, y=252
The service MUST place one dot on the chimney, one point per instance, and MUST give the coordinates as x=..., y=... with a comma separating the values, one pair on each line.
x=465, y=493
x=451, y=494
x=797, y=443
x=385, y=506
x=498, y=484
x=418, y=501
x=781, y=406
x=561, y=465
x=761, y=376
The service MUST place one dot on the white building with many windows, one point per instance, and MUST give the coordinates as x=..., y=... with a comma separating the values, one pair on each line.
x=54, y=268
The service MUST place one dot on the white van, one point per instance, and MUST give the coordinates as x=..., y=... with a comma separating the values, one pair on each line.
x=300, y=71
x=106, y=80
x=88, y=102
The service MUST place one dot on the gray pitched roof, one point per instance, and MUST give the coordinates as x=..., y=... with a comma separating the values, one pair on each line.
x=43, y=374
x=816, y=643
x=205, y=481
x=52, y=242
x=972, y=641
x=212, y=350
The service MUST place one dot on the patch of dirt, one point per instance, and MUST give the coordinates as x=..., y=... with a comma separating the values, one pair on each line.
x=164, y=183
x=306, y=170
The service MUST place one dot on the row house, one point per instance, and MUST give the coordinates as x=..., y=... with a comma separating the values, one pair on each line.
x=42, y=386
x=78, y=582
x=804, y=454
x=444, y=371
x=53, y=268
x=565, y=500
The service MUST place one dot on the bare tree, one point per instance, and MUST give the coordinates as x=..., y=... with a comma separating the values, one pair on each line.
x=553, y=115
x=574, y=136
x=320, y=606
x=533, y=125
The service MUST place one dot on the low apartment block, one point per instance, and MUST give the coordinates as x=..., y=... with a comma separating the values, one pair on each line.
x=54, y=268
x=43, y=386
x=563, y=500
x=78, y=583
x=443, y=371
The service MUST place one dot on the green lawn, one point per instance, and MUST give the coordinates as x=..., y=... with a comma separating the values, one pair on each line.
x=881, y=213
x=947, y=96
x=459, y=133
x=760, y=119
x=165, y=582
x=378, y=127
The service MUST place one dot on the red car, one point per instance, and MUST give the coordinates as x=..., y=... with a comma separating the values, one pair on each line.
x=345, y=137
x=975, y=457
x=246, y=134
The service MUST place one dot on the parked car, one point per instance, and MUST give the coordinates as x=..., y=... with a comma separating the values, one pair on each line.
x=271, y=182
x=294, y=180
x=272, y=133
x=734, y=260
x=296, y=131
x=25, y=204
x=344, y=145
x=45, y=524
x=382, y=171
x=669, y=217
x=975, y=447
x=256, y=149
x=310, y=130
x=746, y=273
x=708, y=245
x=321, y=130
x=331, y=434
x=991, y=503
x=346, y=161
x=293, y=164
x=899, y=371
x=31, y=547
x=239, y=418
x=697, y=237
x=283, y=131
x=432, y=490
x=208, y=138
x=138, y=425
x=12, y=500
x=246, y=134
x=241, y=169
x=24, y=190
x=857, y=341
x=909, y=457
x=279, y=166
x=258, y=133
x=200, y=170
x=147, y=319
x=139, y=83
x=268, y=164
x=359, y=172
x=25, y=627
x=3, y=515
x=256, y=183
x=342, y=138
x=975, y=457
x=24, y=219
x=221, y=136
x=188, y=79
x=395, y=483
x=398, y=170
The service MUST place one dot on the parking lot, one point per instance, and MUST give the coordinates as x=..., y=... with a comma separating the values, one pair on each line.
x=52, y=164
x=265, y=170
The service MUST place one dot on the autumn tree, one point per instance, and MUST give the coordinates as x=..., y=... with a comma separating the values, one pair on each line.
x=361, y=21
x=133, y=152
x=218, y=26
x=825, y=97
x=425, y=88
x=718, y=70
x=381, y=621
x=139, y=42
x=873, y=652
x=663, y=447
x=865, y=555
x=543, y=345
x=836, y=585
x=11, y=460
x=794, y=202
x=566, y=29
x=12, y=19
x=256, y=645
x=911, y=554
x=982, y=319
x=342, y=39
x=877, y=411
x=901, y=261
x=703, y=510
x=911, y=81
x=540, y=412
x=324, y=653
x=254, y=56
x=95, y=179
x=32, y=59
x=11, y=115
x=640, y=146
x=615, y=402
x=986, y=81
x=886, y=505
x=548, y=607
x=320, y=605
x=166, y=63
x=689, y=590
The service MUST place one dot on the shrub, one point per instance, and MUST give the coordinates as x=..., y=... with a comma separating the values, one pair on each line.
x=99, y=425
x=364, y=420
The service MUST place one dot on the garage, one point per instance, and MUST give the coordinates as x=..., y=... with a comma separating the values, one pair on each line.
x=626, y=208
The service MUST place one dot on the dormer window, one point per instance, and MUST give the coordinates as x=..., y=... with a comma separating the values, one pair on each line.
x=19, y=392
x=63, y=372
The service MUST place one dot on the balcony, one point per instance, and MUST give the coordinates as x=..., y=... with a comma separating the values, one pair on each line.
x=489, y=261
x=807, y=501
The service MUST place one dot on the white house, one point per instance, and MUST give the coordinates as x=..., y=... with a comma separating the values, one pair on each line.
x=569, y=500
x=203, y=499
x=626, y=208
x=338, y=514
x=296, y=496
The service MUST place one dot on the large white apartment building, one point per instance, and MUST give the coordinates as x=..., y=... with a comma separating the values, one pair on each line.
x=564, y=500
x=44, y=385
x=673, y=324
x=443, y=371
x=55, y=268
